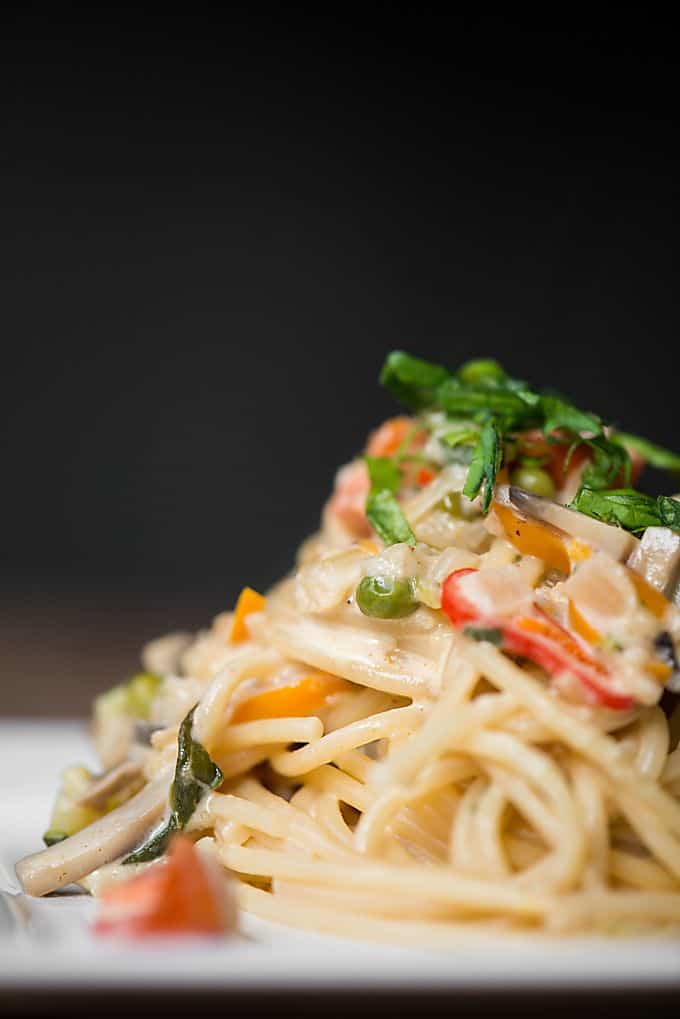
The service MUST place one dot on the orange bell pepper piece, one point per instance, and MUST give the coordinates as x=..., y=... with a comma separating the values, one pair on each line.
x=530, y=537
x=298, y=700
x=648, y=595
x=248, y=601
x=580, y=625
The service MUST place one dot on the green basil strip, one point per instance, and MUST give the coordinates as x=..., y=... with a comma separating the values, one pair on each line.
x=560, y=413
x=195, y=774
x=412, y=381
x=657, y=456
x=481, y=633
x=387, y=519
x=629, y=509
x=486, y=462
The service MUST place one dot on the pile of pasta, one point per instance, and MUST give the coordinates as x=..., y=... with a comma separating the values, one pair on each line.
x=394, y=779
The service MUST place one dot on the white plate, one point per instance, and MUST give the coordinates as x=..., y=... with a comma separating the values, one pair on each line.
x=49, y=944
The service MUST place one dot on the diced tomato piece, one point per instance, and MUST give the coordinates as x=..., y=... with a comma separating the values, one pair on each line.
x=390, y=437
x=454, y=603
x=347, y=505
x=637, y=465
x=557, y=465
x=535, y=444
x=425, y=476
x=175, y=897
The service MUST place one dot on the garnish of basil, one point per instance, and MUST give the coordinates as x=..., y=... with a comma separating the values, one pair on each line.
x=195, y=774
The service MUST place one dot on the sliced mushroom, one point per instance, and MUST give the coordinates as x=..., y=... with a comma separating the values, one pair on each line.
x=613, y=540
x=101, y=842
x=665, y=650
x=111, y=783
x=144, y=731
x=163, y=655
x=657, y=559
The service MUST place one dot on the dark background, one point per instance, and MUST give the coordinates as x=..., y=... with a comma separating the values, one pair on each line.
x=215, y=227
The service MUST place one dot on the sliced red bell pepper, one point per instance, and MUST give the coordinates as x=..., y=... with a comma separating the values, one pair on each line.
x=454, y=603
x=544, y=642
x=538, y=638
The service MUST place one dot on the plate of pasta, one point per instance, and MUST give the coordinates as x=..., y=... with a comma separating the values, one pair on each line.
x=453, y=725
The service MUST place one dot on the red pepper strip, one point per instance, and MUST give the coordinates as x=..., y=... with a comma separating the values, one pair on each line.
x=546, y=643
x=454, y=603
x=538, y=638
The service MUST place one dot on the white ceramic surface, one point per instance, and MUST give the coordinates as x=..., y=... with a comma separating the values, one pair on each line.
x=46, y=943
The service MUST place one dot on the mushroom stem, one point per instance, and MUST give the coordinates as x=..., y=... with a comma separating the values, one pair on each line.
x=101, y=842
x=613, y=540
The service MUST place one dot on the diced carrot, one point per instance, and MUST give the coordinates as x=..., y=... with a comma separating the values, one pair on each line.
x=533, y=538
x=175, y=897
x=648, y=595
x=248, y=601
x=302, y=698
x=581, y=625
x=388, y=439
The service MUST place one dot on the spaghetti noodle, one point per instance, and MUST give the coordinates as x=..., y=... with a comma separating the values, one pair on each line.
x=455, y=733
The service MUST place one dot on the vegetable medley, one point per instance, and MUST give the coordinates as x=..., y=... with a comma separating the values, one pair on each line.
x=556, y=483
x=503, y=512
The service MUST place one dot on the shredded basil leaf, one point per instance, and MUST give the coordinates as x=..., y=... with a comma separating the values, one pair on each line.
x=629, y=509
x=382, y=509
x=655, y=455
x=480, y=633
x=486, y=462
x=383, y=473
x=481, y=371
x=411, y=380
x=559, y=413
x=669, y=511
x=610, y=462
x=386, y=518
x=480, y=392
x=483, y=402
x=195, y=774
x=462, y=434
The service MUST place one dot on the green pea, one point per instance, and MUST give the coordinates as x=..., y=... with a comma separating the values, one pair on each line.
x=481, y=370
x=535, y=480
x=384, y=598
